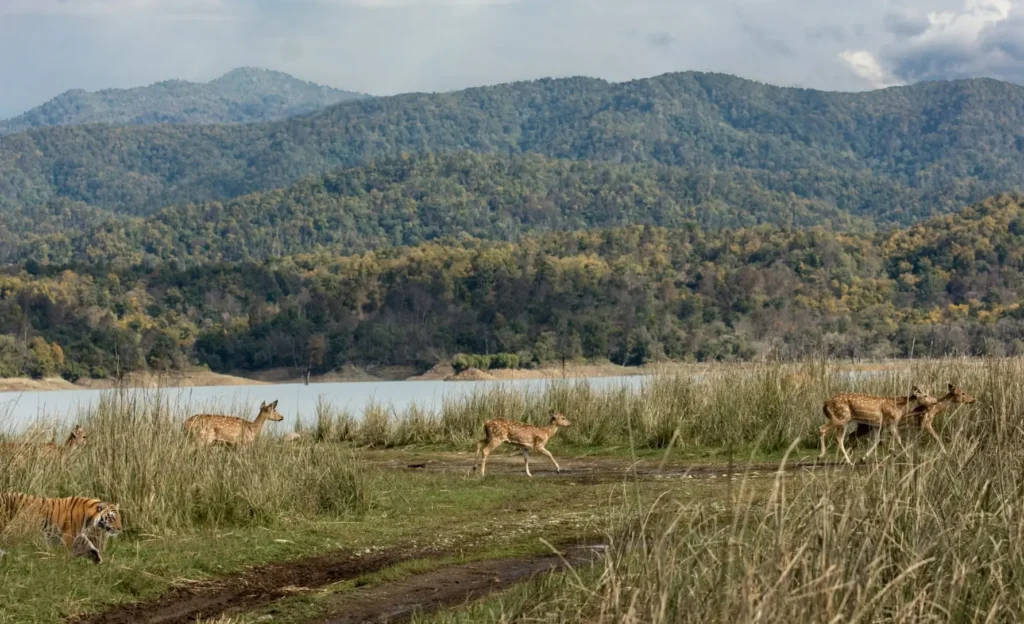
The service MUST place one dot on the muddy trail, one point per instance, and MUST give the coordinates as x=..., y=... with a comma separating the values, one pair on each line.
x=590, y=470
x=394, y=601
x=255, y=588
x=397, y=601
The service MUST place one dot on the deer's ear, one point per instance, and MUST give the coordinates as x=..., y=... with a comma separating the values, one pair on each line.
x=274, y=404
x=952, y=387
x=263, y=405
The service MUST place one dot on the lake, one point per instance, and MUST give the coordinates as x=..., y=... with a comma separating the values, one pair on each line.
x=296, y=400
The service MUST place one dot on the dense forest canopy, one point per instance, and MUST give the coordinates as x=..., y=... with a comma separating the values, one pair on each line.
x=894, y=156
x=242, y=95
x=414, y=199
x=688, y=216
x=631, y=294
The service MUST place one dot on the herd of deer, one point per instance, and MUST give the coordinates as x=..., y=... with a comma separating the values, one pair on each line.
x=875, y=412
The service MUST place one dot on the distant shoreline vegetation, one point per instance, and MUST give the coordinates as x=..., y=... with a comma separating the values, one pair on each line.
x=628, y=295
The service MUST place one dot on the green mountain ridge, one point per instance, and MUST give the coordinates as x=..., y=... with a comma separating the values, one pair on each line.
x=243, y=95
x=902, y=154
x=415, y=199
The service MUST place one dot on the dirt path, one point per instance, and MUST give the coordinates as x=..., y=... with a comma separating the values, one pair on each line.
x=576, y=470
x=393, y=602
x=257, y=587
x=446, y=587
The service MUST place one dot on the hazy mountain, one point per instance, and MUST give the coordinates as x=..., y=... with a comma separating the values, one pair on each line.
x=895, y=155
x=242, y=95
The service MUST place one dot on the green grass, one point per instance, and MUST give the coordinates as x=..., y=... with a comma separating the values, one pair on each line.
x=199, y=513
x=455, y=513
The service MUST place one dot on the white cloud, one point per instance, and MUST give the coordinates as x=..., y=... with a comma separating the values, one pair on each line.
x=976, y=39
x=967, y=24
x=866, y=66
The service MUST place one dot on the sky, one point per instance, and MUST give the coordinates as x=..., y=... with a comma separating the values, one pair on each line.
x=384, y=47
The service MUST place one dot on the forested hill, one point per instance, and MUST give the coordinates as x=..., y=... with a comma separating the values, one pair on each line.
x=895, y=155
x=951, y=285
x=242, y=95
x=415, y=199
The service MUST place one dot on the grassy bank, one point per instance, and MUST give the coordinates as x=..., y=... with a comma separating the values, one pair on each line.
x=887, y=541
x=761, y=408
x=920, y=536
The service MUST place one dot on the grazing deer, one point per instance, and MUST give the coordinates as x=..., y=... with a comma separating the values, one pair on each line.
x=924, y=415
x=75, y=439
x=526, y=437
x=231, y=430
x=876, y=411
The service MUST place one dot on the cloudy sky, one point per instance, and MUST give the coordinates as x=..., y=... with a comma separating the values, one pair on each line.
x=390, y=46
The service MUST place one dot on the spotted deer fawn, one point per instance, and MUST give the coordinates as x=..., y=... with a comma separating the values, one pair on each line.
x=925, y=414
x=877, y=411
x=231, y=430
x=75, y=439
x=526, y=437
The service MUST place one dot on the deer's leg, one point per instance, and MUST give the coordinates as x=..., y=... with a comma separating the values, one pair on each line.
x=874, y=445
x=895, y=428
x=526, y=459
x=822, y=434
x=841, y=434
x=476, y=456
x=551, y=457
x=927, y=424
x=493, y=444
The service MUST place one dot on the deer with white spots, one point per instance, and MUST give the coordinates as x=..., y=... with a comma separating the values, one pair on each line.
x=526, y=437
x=877, y=411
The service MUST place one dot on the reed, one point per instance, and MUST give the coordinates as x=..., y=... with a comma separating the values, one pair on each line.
x=918, y=536
x=138, y=457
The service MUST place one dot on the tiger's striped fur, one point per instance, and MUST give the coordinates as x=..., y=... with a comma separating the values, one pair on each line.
x=76, y=520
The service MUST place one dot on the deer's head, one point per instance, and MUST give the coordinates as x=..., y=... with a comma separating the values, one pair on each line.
x=959, y=396
x=269, y=411
x=558, y=419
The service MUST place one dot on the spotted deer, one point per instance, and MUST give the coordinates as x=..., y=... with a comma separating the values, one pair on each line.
x=925, y=414
x=526, y=437
x=75, y=439
x=215, y=428
x=877, y=411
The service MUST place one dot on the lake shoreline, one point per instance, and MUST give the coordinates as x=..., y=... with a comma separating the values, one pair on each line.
x=441, y=372
x=198, y=378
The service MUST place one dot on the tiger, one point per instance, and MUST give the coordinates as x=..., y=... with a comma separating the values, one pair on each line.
x=70, y=519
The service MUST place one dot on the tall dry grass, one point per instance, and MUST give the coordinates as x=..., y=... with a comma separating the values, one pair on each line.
x=919, y=536
x=762, y=408
x=137, y=456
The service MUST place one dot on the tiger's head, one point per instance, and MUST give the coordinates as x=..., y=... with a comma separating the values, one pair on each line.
x=108, y=518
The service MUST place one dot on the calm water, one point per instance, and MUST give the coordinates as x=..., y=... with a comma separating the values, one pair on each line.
x=18, y=409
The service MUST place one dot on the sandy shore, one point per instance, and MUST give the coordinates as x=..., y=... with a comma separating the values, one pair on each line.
x=190, y=379
x=440, y=372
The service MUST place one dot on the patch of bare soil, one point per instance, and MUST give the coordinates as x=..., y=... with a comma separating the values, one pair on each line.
x=257, y=587
x=450, y=586
x=440, y=371
x=24, y=384
x=392, y=602
x=471, y=374
x=590, y=469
